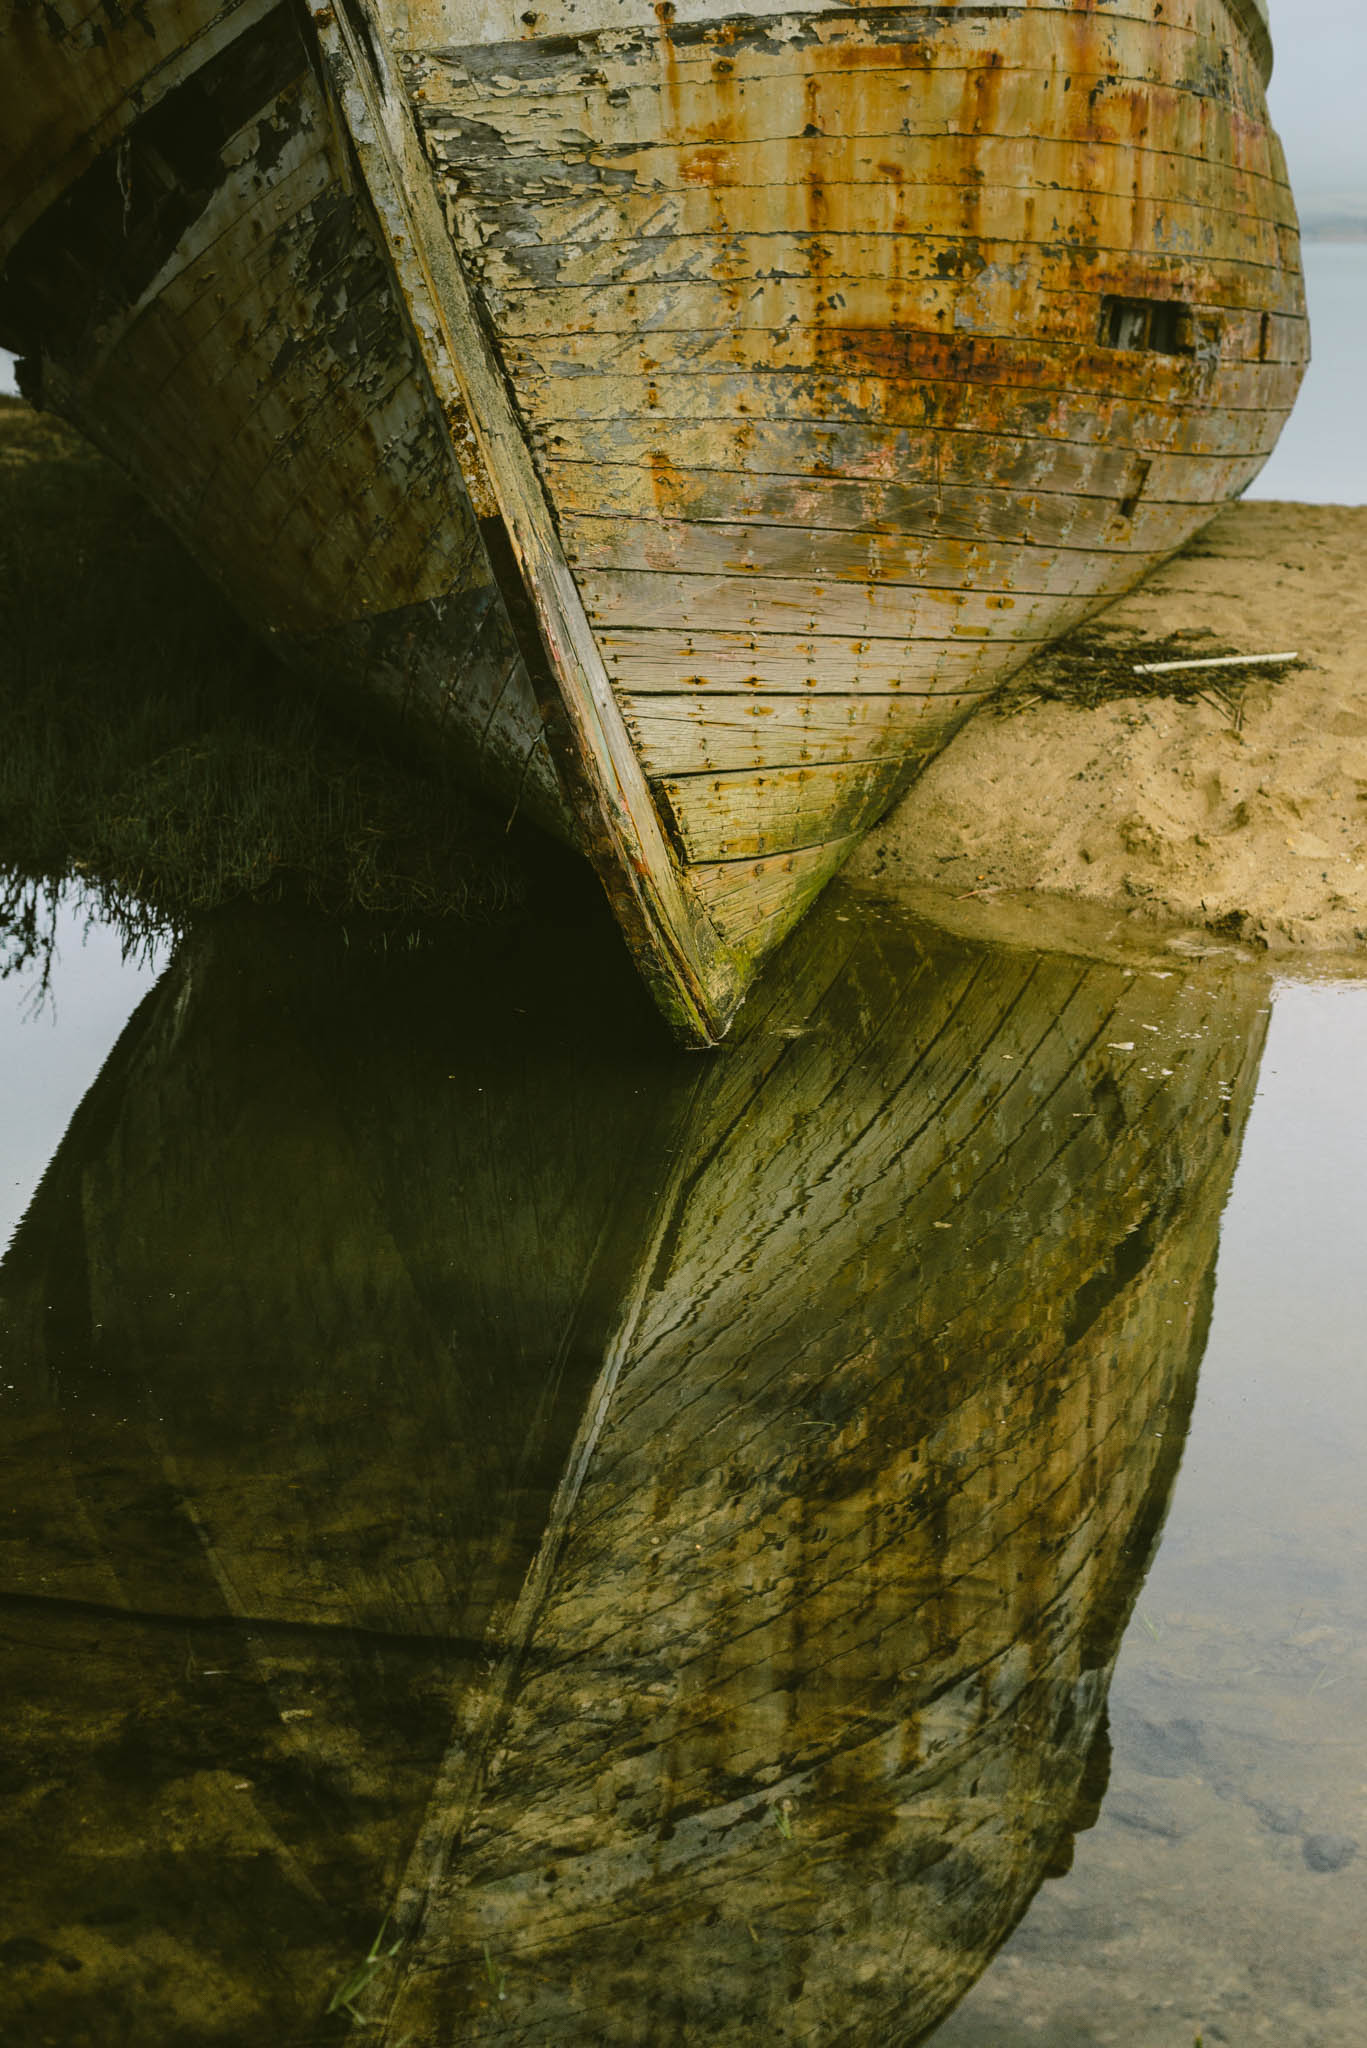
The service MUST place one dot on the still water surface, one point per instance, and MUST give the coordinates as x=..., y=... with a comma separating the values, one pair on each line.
x=699, y=1550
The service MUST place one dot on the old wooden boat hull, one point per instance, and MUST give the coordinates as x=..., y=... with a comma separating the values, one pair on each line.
x=658, y=1531
x=687, y=417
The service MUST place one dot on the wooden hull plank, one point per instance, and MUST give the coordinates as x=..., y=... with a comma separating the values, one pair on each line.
x=697, y=664
x=750, y=899
x=1045, y=517
x=666, y=449
x=911, y=357
x=434, y=39
x=894, y=102
x=713, y=730
x=896, y=613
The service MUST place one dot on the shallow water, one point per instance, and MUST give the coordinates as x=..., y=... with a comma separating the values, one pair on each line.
x=673, y=1539
x=58, y=1021
x=1217, y=1895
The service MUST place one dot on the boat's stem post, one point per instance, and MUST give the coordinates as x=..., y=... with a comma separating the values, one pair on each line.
x=693, y=973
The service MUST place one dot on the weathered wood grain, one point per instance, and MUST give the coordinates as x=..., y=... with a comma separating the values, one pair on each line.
x=1017, y=370
x=1039, y=515
x=982, y=403
x=965, y=444
x=894, y=189
x=563, y=102
x=755, y=902
x=908, y=567
x=871, y=454
x=912, y=357
x=1198, y=35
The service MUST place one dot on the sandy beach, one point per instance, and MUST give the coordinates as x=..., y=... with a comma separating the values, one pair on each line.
x=1249, y=827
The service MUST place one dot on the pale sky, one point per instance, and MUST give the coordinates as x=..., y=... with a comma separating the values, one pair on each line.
x=1317, y=95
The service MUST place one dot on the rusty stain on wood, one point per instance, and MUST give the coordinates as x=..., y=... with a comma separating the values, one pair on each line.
x=525, y=369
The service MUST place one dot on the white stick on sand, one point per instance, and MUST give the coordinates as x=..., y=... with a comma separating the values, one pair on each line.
x=1167, y=668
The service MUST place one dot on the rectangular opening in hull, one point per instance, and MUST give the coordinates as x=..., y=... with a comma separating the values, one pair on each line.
x=1163, y=325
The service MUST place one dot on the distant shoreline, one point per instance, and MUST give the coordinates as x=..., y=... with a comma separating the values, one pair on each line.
x=1332, y=228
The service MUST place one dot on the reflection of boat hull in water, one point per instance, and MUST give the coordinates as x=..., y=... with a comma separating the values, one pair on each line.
x=777, y=1643
x=686, y=417
x=809, y=1700
x=296, y=1334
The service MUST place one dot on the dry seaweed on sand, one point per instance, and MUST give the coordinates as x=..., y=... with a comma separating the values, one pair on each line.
x=1097, y=665
x=156, y=754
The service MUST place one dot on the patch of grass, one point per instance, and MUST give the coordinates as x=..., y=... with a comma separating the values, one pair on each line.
x=153, y=751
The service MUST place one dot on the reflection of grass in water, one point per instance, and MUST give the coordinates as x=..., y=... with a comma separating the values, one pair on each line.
x=155, y=752
x=344, y=1997
x=496, y=1974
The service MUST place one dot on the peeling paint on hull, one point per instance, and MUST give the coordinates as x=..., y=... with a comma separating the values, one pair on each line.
x=690, y=417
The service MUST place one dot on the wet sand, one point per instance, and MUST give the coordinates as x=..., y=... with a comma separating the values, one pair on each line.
x=1162, y=809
